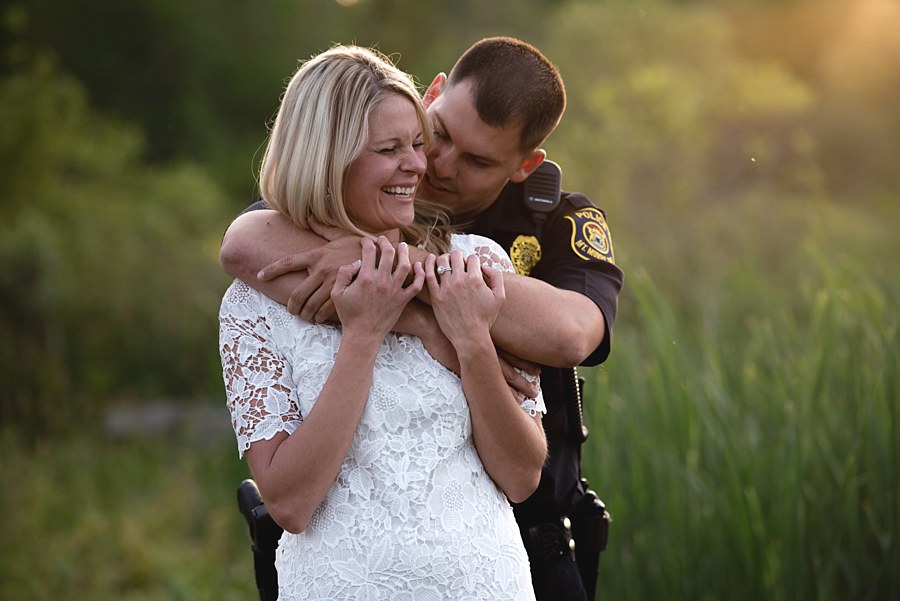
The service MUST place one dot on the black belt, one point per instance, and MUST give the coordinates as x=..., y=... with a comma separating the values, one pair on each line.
x=549, y=541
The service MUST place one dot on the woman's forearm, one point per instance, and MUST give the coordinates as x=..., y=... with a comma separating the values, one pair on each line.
x=511, y=443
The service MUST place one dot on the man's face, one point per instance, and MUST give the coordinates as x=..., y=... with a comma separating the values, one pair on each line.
x=470, y=161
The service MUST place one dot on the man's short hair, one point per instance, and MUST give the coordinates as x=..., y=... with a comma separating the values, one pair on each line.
x=513, y=83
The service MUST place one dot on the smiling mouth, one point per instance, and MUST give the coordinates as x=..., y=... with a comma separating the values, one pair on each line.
x=400, y=191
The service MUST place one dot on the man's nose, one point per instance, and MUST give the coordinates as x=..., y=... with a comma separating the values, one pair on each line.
x=442, y=160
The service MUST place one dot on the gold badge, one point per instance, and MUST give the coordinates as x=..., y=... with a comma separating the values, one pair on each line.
x=525, y=253
x=590, y=235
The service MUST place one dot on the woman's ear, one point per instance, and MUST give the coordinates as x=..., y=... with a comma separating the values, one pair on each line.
x=528, y=165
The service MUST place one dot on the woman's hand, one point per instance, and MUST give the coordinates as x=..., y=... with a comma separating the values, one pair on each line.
x=466, y=297
x=466, y=301
x=369, y=295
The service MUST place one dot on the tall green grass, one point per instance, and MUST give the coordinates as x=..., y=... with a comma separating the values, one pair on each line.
x=91, y=519
x=745, y=435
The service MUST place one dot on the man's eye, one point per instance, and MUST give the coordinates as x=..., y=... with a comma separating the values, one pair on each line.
x=439, y=134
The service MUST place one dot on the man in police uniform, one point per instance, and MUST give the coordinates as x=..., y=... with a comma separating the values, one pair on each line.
x=500, y=102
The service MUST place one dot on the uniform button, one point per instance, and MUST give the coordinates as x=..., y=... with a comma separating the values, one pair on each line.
x=567, y=523
x=571, y=544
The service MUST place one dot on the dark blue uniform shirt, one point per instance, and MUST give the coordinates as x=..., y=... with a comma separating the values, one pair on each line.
x=571, y=250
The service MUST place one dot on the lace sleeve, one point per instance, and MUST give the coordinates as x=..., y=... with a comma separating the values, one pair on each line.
x=492, y=254
x=531, y=406
x=258, y=388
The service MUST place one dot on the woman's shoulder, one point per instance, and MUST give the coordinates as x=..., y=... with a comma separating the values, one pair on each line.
x=471, y=243
x=245, y=309
x=240, y=300
x=489, y=252
x=239, y=296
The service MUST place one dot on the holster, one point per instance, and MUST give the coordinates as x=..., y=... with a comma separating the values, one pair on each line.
x=264, y=537
x=590, y=529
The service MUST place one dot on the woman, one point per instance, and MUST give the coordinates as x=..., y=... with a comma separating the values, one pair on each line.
x=364, y=446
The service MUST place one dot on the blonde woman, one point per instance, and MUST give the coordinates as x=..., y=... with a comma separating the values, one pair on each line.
x=390, y=473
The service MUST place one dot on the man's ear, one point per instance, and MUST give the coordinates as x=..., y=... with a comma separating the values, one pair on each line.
x=434, y=90
x=528, y=165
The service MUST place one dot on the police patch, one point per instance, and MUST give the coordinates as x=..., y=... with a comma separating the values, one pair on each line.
x=525, y=253
x=590, y=235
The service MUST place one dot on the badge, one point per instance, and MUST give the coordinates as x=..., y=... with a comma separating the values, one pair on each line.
x=590, y=235
x=525, y=253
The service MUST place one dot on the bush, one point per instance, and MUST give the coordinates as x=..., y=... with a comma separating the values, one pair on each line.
x=107, y=267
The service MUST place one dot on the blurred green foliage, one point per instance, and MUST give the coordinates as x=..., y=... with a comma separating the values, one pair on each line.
x=107, y=274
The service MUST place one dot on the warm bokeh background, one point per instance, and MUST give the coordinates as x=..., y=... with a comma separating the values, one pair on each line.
x=745, y=431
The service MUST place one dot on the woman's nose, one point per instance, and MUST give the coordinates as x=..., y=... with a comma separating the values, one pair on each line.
x=415, y=161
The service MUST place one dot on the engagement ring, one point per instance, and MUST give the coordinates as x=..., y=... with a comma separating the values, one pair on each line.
x=441, y=270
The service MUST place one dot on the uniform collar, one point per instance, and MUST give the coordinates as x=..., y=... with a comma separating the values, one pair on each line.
x=507, y=213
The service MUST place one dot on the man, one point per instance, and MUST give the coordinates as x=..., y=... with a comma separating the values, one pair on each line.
x=490, y=116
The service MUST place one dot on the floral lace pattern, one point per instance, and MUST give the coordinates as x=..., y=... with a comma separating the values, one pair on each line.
x=412, y=513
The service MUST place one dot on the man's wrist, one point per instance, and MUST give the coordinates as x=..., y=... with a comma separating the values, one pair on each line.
x=415, y=320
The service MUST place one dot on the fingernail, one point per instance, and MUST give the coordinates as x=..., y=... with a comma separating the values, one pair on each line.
x=261, y=275
x=357, y=263
x=402, y=245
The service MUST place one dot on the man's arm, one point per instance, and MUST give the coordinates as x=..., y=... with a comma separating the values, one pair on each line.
x=260, y=238
x=256, y=239
x=307, y=262
x=540, y=323
x=537, y=322
x=547, y=325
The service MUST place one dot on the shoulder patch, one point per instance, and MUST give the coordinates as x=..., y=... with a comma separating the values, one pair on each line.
x=525, y=253
x=590, y=235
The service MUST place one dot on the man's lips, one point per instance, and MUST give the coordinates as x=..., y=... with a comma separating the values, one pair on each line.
x=437, y=189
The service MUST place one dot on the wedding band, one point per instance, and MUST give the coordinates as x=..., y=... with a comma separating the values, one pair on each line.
x=441, y=269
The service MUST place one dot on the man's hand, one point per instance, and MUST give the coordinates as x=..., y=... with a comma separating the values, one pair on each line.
x=311, y=300
x=257, y=238
x=510, y=366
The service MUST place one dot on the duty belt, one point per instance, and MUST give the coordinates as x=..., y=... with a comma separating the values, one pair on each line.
x=545, y=542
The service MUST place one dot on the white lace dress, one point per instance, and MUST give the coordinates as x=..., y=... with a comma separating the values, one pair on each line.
x=412, y=513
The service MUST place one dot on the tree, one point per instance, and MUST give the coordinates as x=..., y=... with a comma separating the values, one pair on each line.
x=107, y=266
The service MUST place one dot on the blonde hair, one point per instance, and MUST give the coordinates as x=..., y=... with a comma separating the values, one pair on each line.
x=322, y=125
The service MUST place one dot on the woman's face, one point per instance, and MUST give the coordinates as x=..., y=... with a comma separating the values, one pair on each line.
x=381, y=182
